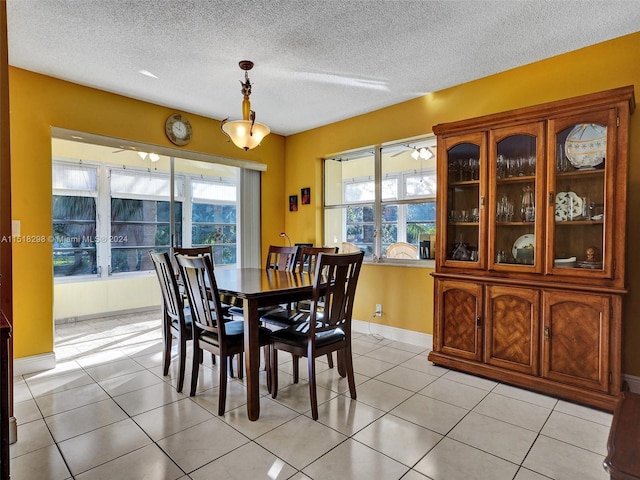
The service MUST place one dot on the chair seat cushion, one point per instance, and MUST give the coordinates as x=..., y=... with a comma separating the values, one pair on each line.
x=235, y=334
x=239, y=312
x=188, y=323
x=284, y=317
x=299, y=335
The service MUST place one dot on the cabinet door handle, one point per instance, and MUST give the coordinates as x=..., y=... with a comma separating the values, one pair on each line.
x=478, y=321
x=552, y=199
x=482, y=201
x=546, y=334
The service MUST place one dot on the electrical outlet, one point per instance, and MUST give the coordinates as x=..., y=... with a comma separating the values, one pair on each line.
x=378, y=309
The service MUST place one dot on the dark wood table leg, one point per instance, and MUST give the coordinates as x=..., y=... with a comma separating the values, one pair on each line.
x=252, y=357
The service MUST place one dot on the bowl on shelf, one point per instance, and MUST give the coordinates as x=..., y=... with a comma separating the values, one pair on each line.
x=569, y=262
x=586, y=145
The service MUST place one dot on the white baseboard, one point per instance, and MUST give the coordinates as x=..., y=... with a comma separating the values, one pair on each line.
x=633, y=382
x=34, y=363
x=393, y=333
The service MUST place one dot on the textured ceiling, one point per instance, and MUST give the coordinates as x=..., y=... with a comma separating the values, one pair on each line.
x=316, y=62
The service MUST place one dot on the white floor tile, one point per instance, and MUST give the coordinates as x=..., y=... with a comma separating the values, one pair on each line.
x=171, y=418
x=430, y=413
x=455, y=393
x=381, y=395
x=291, y=441
x=201, y=444
x=514, y=411
x=494, y=436
x=452, y=460
x=557, y=459
x=84, y=419
x=355, y=461
x=45, y=463
x=234, y=466
x=577, y=431
x=102, y=445
x=147, y=462
x=399, y=439
x=411, y=420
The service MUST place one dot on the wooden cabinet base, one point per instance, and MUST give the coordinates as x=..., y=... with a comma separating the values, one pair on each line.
x=622, y=461
x=592, y=398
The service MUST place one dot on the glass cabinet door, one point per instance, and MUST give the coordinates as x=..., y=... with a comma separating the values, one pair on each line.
x=465, y=172
x=516, y=207
x=581, y=184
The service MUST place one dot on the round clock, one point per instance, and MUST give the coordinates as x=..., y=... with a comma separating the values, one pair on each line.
x=178, y=129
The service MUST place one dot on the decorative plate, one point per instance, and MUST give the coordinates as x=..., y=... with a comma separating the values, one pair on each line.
x=525, y=241
x=568, y=206
x=586, y=145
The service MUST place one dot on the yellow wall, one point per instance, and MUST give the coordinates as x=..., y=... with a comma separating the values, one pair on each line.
x=407, y=293
x=39, y=102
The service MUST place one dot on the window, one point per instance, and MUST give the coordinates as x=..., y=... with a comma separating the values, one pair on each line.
x=214, y=218
x=375, y=198
x=74, y=220
x=106, y=217
x=141, y=217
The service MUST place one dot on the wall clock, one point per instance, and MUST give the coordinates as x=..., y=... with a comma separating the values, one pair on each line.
x=178, y=129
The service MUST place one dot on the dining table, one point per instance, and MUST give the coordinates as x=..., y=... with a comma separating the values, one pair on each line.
x=260, y=287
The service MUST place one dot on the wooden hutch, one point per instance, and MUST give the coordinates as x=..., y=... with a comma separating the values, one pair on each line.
x=530, y=266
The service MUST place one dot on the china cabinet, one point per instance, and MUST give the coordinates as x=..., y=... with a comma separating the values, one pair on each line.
x=530, y=279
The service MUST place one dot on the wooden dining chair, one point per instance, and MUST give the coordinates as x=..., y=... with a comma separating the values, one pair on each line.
x=226, y=302
x=222, y=338
x=328, y=328
x=292, y=313
x=402, y=250
x=176, y=318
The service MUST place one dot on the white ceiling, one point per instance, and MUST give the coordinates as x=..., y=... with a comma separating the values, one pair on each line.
x=316, y=62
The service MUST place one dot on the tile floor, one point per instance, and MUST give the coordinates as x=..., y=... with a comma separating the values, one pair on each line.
x=107, y=412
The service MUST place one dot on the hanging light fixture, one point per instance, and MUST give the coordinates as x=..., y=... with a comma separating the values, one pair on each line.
x=245, y=133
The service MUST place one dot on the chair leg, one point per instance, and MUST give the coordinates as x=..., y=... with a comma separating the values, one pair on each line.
x=166, y=353
x=313, y=395
x=195, y=367
x=182, y=345
x=341, y=363
x=240, y=366
x=267, y=362
x=296, y=369
x=274, y=372
x=348, y=365
x=230, y=362
x=222, y=389
x=330, y=359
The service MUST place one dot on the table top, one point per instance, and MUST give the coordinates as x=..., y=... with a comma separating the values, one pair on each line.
x=260, y=282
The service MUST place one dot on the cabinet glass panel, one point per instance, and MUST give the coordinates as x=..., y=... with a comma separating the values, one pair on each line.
x=580, y=197
x=463, y=208
x=516, y=200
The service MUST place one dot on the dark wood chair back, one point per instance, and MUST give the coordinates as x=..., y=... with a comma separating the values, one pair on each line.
x=334, y=288
x=308, y=257
x=172, y=300
x=281, y=258
x=202, y=292
x=175, y=323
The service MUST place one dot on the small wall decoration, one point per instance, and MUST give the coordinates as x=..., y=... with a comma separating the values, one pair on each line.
x=293, y=203
x=305, y=194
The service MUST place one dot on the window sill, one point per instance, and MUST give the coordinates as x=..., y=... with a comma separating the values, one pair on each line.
x=388, y=262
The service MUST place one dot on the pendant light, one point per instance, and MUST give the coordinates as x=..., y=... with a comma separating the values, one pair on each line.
x=245, y=133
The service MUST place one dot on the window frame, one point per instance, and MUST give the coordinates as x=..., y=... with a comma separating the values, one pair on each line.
x=103, y=197
x=402, y=200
